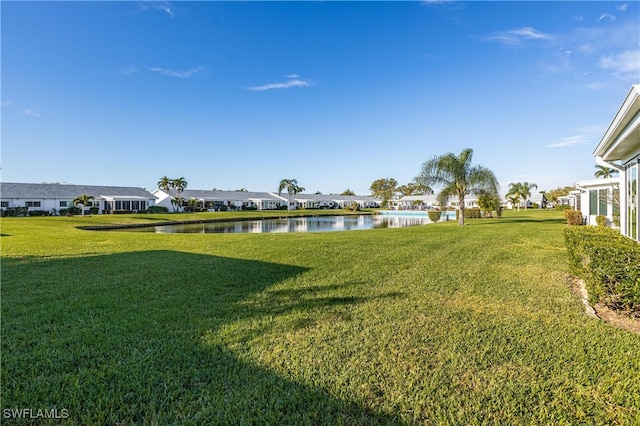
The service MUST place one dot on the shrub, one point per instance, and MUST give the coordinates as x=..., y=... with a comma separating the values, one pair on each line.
x=601, y=220
x=609, y=263
x=472, y=213
x=560, y=207
x=94, y=210
x=434, y=215
x=157, y=209
x=17, y=211
x=574, y=217
x=616, y=220
x=353, y=207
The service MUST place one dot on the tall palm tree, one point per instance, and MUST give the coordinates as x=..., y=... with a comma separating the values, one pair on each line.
x=164, y=183
x=179, y=184
x=458, y=177
x=604, y=172
x=82, y=200
x=526, y=191
x=515, y=193
x=291, y=185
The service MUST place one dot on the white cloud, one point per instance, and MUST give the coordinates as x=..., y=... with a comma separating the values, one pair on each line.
x=165, y=7
x=145, y=6
x=517, y=36
x=607, y=17
x=178, y=74
x=294, y=81
x=6, y=103
x=622, y=7
x=572, y=140
x=623, y=64
x=31, y=112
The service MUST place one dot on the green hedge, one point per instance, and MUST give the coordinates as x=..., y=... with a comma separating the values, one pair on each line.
x=609, y=264
x=472, y=213
x=434, y=215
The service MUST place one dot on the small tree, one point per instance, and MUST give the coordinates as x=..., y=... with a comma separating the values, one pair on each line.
x=385, y=189
x=82, y=200
x=490, y=203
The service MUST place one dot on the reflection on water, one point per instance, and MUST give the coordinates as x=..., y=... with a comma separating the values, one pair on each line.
x=297, y=224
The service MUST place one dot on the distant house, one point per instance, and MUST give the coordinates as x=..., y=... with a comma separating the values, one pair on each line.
x=239, y=200
x=330, y=201
x=216, y=200
x=426, y=202
x=597, y=197
x=53, y=197
x=619, y=149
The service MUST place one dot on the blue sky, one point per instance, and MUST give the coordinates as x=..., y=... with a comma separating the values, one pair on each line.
x=236, y=95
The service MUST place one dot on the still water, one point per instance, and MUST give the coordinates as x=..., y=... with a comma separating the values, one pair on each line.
x=297, y=224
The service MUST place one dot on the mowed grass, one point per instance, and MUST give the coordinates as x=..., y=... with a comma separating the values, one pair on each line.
x=435, y=324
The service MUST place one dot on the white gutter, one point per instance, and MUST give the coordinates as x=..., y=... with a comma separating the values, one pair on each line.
x=602, y=162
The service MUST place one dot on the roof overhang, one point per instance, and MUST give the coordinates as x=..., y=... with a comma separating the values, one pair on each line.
x=622, y=138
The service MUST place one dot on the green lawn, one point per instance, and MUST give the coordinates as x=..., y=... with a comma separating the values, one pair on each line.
x=436, y=324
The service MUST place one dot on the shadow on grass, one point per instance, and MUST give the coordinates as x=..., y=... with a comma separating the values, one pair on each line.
x=118, y=339
x=515, y=219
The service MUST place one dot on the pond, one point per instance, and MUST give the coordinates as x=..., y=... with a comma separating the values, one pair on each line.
x=293, y=224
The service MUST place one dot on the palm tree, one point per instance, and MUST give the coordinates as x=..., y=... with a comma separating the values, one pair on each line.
x=604, y=172
x=179, y=184
x=458, y=177
x=515, y=193
x=291, y=185
x=82, y=200
x=526, y=191
x=164, y=183
x=514, y=200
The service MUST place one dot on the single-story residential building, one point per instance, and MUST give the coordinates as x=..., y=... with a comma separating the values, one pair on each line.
x=330, y=201
x=597, y=197
x=217, y=200
x=619, y=149
x=221, y=200
x=53, y=197
x=430, y=201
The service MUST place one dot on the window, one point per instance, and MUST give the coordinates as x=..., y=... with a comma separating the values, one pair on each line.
x=4, y=204
x=32, y=204
x=603, y=198
x=632, y=202
x=593, y=202
x=63, y=203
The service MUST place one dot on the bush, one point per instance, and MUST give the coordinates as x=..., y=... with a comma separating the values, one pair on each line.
x=601, y=220
x=16, y=211
x=561, y=207
x=574, y=217
x=157, y=209
x=434, y=215
x=616, y=220
x=94, y=210
x=609, y=264
x=472, y=213
x=353, y=207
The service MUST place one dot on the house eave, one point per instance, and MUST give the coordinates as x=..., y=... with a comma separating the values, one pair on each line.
x=622, y=137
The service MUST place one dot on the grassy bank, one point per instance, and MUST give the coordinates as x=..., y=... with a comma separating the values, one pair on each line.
x=435, y=324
